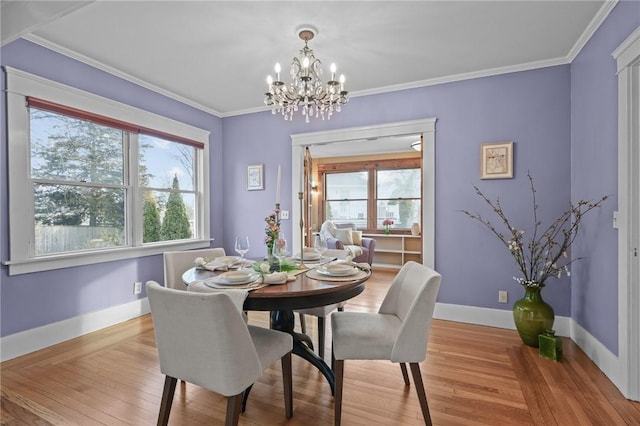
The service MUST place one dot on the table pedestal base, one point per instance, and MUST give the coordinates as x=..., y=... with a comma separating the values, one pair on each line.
x=285, y=321
x=302, y=346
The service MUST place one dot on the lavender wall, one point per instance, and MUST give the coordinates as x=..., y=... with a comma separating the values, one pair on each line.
x=562, y=120
x=531, y=108
x=32, y=300
x=594, y=170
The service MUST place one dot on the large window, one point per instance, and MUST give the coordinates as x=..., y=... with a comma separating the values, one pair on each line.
x=91, y=182
x=367, y=193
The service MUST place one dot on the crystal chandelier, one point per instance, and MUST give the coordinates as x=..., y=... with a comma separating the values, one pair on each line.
x=306, y=92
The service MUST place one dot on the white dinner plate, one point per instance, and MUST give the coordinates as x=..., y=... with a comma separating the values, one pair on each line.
x=235, y=278
x=337, y=269
x=310, y=256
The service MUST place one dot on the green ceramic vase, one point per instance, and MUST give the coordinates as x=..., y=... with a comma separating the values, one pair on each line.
x=532, y=316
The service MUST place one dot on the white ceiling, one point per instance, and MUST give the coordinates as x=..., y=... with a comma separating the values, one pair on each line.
x=215, y=55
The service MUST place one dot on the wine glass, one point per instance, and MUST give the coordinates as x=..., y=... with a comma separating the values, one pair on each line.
x=280, y=248
x=242, y=247
x=320, y=244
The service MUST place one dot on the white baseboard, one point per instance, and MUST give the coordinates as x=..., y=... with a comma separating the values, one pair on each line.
x=606, y=361
x=28, y=341
x=501, y=318
x=598, y=353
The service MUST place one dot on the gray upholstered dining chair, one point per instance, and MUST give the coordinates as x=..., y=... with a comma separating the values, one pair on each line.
x=398, y=332
x=322, y=312
x=177, y=262
x=203, y=339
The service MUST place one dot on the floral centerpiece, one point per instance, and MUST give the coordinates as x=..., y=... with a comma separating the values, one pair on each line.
x=272, y=229
x=540, y=253
x=387, y=223
x=265, y=268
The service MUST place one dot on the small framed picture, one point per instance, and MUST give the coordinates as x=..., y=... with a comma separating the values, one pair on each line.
x=255, y=177
x=496, y=160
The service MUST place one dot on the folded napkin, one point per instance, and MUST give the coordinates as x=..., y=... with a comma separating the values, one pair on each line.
x=277, y=278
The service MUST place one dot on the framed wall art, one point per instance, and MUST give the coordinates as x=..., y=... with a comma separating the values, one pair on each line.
x=255, y=177
x=496, y=160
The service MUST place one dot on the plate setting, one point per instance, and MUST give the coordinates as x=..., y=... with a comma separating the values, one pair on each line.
x=221, y=262
x=337, y=269
x=235, y=278
x=309, y=256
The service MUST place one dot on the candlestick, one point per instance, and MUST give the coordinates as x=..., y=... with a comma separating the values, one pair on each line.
x=278, y=186
x=302, y=167
x=302, y=265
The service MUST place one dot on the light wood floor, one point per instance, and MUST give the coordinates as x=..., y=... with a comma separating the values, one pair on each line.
x=473, y=375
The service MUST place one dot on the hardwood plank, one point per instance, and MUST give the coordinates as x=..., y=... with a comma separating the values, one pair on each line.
x=473, y=375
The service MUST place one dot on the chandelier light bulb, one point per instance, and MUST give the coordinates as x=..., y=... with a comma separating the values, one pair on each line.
x=277, y=68
x=306, y=92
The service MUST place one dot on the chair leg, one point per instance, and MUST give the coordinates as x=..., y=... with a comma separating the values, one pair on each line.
x=245, y=398
x=303, y=324
x=167, y=400
x=337, y=399
x=321, y=329
x=333, y=359
x=405, y=376
x=233, y=409
x=287, y=382
x=422, y=396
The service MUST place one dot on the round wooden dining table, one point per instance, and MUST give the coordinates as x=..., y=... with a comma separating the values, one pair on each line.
x=282, y=299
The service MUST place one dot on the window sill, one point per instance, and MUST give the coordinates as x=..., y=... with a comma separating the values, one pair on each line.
x=17, y=267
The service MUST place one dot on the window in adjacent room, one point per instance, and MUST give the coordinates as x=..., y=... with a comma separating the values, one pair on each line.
x=368, y=192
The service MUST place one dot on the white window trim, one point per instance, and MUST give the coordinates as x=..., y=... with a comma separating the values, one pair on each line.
x=20, y=85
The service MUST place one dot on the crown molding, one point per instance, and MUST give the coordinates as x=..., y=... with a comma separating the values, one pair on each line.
x=120, y=74
x=593, y=26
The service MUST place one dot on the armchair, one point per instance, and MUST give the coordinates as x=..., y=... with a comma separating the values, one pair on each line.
x=333, y=232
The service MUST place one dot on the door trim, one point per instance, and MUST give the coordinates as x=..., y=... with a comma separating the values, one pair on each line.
x=426, y=127
x=627, y=56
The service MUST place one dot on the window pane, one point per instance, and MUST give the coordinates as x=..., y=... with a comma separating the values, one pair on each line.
x=161, y=161
x=168, y=216
x=71, y=218
x=403, y=183
x=341, y=186
x=347, y=211
x=69, y=149
x=403, y=212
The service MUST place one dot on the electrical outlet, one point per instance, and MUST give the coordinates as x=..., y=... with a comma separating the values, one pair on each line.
x=502, y=296
x=137, y=287
x=284, y=214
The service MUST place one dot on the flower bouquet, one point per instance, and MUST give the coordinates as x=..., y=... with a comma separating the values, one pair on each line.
x=387, y=223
